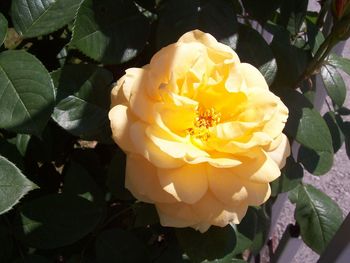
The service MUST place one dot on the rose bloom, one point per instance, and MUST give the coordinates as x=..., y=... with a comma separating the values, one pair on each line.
x=202, y=133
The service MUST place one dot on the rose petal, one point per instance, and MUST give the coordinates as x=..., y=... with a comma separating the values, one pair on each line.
x=209, y=209
x=121, y=120
x=260, y=168
x=232, y=189
x=142, y=181
x=145, y=147
x=252, y=76
x=280, y=154
x=176, y=215
x=135, y=83
x=187, y=183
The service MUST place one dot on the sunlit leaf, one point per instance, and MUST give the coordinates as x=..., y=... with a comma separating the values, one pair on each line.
x=13, y=185
x=26, y=93
x=34, y=18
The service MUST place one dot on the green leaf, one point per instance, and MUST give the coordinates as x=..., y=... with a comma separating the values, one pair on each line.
x=11, y=153
x=177, y=17
x=332, y=121
x=216, y=243
x=261, y=10
x=319, y=217
x=313, y=132
x=293, y=13
x=248, y=42
x=334, y=84
x=77, y=181
x=116, y=245
x=13, y=185
x=33, y=259
x=26, y=93
x=83, y=100
x=39, y=17
x=291, y=176
x=315, y=162
x=110, y=31
x=56, y=220
x=22, y=141
x=6, y=243
x=254, y=227
x=3, y=28
x=145, y=214
x=339, y=62
x=291, y=61
x=116, y=177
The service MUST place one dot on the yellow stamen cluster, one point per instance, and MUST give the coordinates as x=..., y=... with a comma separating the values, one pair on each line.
x=205, y=119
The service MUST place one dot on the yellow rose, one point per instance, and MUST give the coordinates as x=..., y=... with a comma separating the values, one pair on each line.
x=202, y=133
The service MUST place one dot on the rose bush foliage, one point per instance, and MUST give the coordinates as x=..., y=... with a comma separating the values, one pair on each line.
x=206, y=97
x=202, y=133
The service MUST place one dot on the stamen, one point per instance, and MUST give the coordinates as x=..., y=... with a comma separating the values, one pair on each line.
x=205, y=119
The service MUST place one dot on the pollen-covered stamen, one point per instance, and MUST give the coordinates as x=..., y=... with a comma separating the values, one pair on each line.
x=205, y=118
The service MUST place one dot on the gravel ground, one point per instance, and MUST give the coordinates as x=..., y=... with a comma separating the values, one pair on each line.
x=336, y=184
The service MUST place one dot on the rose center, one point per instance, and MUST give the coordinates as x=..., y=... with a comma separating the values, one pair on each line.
x=205, y=118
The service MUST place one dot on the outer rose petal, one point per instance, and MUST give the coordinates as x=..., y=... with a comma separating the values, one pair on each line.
x=260, y=168
x=210, y=209
x=142, y=181
x=208, y=40
x=187, y=183
x=252, y=76
x=280, y=154
x=231, y=189
x=121, y=120
x=177, y=215
x=134, y=87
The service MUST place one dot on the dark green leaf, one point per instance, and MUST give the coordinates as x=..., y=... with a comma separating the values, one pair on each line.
x=249, y=41
x=56, y=220
x=315, y=36
x=39, y=17
x=292, y=14
x=319, y=217
x=6, y=243
x=339, y=62
x=315, y=162
x=337, y=135
x=313, y=132
x=110, y=31
x=10, y=152
x=3, y=28
x=26, y=93
x=116, y=177
x=116, y=245
x=145, y=214
x=261, y=10
x=77, y=181
x=22, y=141
x=13, y=185
x=83, y=100
x=254, y=227
x=291, y=176
x=293, y=195
x=221, y=241
x=296, y=102
x=334, y=84
x=33, y=259
x=177, y=17
x=291, y=61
